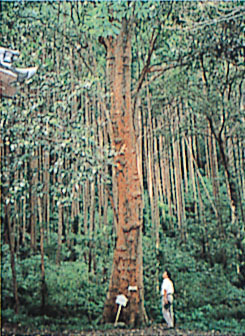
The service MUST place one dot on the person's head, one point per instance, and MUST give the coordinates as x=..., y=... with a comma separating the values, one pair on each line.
x=166, y=274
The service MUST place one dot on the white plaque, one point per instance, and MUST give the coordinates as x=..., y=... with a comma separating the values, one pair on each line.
x=132, y=288
x=122, y=300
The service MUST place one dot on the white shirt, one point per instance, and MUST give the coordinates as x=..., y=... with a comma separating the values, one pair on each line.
x=167, y=285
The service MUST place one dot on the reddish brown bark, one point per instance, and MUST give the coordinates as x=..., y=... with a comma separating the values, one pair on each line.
x=127, y=267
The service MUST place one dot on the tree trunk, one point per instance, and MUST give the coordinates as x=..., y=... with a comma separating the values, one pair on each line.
x=149, y=159
x=178, y=177
x=91, y=261
x=215, y=180
x=33, y=168
x=230, y=180
x=12, y=258
x=127, y=267
x=200, y=177
x=60, y=224
x=43, y=283
x=24, y=220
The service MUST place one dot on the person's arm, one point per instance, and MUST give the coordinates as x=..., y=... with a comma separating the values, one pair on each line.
x=165, y=297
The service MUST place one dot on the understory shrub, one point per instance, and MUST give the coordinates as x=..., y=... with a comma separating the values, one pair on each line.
x=204, y=296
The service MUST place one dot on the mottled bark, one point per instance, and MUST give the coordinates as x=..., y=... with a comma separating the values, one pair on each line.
x=127, y=267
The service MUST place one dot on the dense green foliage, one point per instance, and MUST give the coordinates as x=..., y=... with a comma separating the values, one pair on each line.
x=207, y=297
x=52, y=151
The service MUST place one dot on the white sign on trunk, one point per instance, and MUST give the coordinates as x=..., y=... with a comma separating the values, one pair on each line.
x=132, y=288
x=122, y=300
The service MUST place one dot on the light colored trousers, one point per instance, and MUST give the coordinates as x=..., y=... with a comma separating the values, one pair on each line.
x=168, y=313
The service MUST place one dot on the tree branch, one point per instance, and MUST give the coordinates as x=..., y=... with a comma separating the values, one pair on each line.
x=160, y=71
x=146, y=67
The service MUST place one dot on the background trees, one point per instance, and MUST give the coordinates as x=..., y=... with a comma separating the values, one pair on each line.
x=58, y=162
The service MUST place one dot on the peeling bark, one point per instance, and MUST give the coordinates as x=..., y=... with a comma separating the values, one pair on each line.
x=127, y=267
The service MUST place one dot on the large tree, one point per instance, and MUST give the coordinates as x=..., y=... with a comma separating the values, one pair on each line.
x=127, y=270
x=127, y=263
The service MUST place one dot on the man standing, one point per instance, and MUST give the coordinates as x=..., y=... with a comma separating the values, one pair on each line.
x=167, y=291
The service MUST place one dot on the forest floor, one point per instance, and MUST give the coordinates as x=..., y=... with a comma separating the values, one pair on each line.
x=156, y=330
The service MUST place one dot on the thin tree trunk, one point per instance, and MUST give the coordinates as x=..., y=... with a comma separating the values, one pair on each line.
x=162, y=154
x=239, y=166
x=33, y=184
x=12, y=259
x=171, y=162
x=46, y=164
x=85, y=206
x=153, y=175
x=75, y=189
x=183, y=152
x=5, y=153
x=92, y=265
x=165, y=172
x=205, y=242
x=105, y=135
x=43, y=283
x=207, y=151
x=212, y=153
x=149, y=159
x=24, y=207
x=192, y=175
x=60, y=224
x=178, y=180
x=201, y=178
x=189, y=143
x=59, y=178
x=230, y=180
